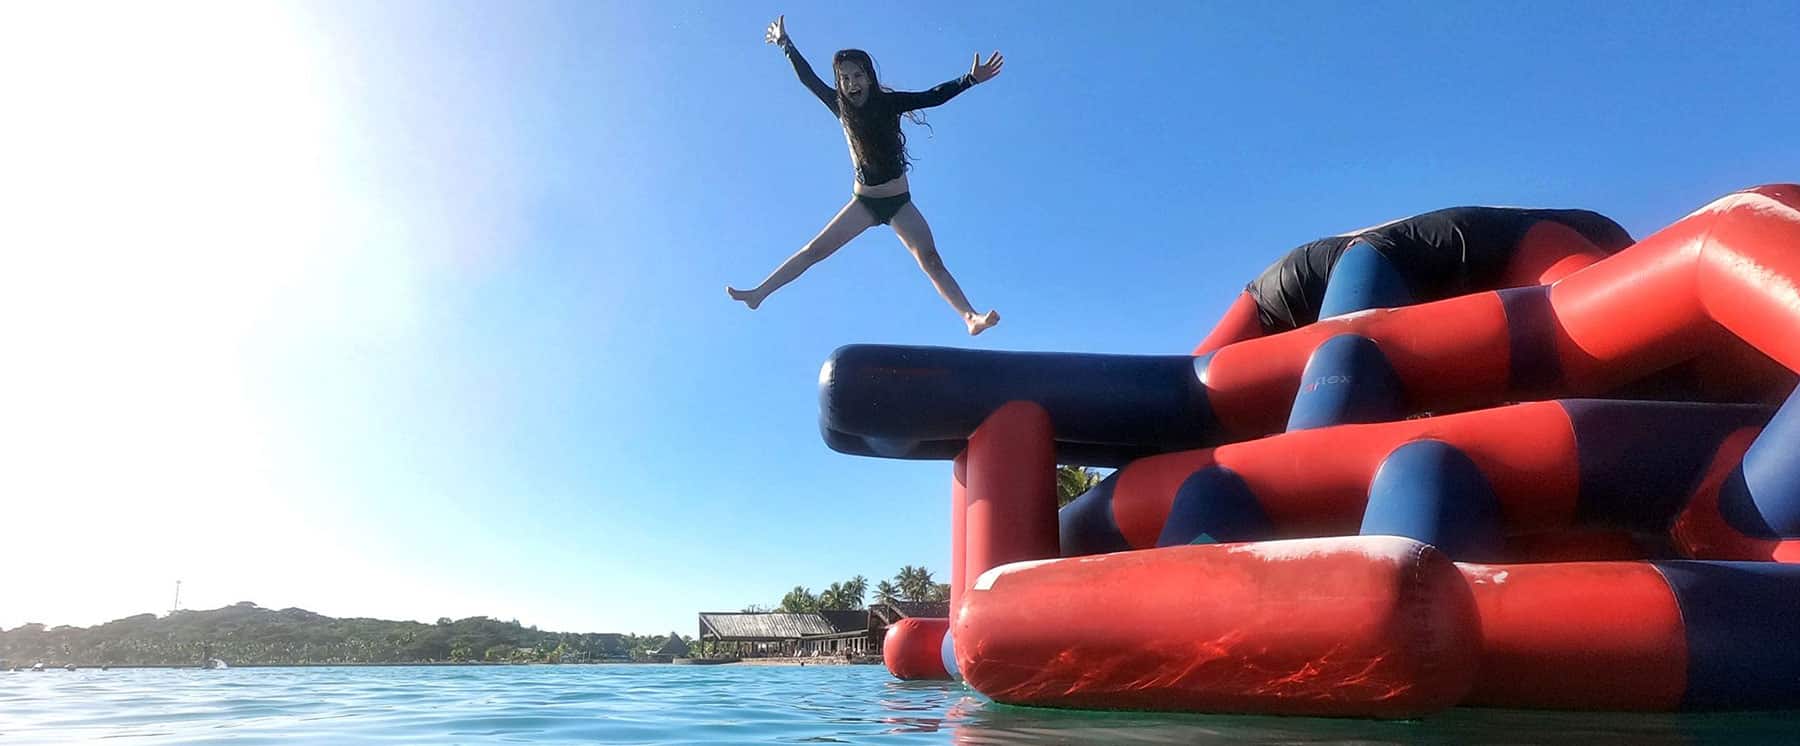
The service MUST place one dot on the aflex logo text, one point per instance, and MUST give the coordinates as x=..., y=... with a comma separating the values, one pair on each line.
x=1323, y=381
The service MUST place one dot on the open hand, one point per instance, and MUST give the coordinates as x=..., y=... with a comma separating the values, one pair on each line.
x=983, y=72
x=777, y=33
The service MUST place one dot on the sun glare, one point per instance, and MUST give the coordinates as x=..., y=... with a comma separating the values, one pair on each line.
x=168, y=181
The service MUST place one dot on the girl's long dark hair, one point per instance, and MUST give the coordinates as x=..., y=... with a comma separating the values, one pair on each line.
x=874, y=131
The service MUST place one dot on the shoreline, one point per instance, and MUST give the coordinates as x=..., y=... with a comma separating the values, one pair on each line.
x=804, y=661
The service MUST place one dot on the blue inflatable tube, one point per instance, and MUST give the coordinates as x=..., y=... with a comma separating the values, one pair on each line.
x=922, y=402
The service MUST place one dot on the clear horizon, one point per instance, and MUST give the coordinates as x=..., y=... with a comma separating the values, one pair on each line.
x=409, y=310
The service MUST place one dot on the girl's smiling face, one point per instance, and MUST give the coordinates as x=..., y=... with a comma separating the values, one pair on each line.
x=853, y=81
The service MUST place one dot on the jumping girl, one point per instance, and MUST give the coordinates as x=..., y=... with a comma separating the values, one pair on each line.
x=870, y=114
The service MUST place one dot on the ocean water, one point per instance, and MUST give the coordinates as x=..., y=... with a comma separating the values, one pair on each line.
x=708, y=705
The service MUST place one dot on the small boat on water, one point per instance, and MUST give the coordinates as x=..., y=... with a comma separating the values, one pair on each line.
x=37, y=666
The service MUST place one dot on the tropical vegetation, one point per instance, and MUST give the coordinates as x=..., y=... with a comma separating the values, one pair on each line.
x=1073, y=482
x=909, y=584
x=245, y=633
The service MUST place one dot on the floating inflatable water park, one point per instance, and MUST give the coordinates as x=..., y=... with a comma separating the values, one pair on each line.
x=1581, y=492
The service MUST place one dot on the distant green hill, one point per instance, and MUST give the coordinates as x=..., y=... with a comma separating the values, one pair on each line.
x=245, y=633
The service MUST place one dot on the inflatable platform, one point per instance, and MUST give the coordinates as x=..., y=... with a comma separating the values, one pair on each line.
x=1498, y=499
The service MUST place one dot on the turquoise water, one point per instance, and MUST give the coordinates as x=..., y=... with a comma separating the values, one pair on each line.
x=704, y=705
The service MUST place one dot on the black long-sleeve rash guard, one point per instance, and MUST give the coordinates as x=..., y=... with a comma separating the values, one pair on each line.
x=890, y=104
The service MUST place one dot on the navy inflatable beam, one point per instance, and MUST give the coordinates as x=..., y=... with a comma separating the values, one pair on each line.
x=923, y=402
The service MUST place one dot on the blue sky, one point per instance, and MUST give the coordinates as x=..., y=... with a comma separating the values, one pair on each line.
x=416, y=309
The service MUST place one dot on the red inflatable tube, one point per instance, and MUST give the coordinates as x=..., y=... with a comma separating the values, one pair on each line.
x=1239, y=323
x=913, y=648
x=1548, y=252
x=1368, y=626
x=1548, y=479
x=1449, y=354
x=1315, y=482
x=1002, y=509
x=1377, y=626
x=1749, y=270
x=1579, y=636
x=1733, y=264
x=1009, y=504
x=959, y=491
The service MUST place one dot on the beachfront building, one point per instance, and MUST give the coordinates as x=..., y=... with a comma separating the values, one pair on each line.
x=851, y=633
x=763, y=634
x=607, y=646
x=883, y=615
x=672, y=648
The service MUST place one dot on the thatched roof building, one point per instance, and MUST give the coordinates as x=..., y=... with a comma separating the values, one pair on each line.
x=846, y=632
x=675, y=647
x=889, y=613
x=746, y=626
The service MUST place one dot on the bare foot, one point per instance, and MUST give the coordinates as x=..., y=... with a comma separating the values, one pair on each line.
x=979, y=324
x=749, y=297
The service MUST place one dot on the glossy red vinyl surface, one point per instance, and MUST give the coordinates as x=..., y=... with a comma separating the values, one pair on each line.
x=913, y=648
x=1315, y=482
x=1009, y=511
x=1239, y=323
x=1446, y=354
x=1366, y=626
x=1548, y=252
x=1578, y=635
x=1749, y=273
x=959, y=495
x=1731, y=267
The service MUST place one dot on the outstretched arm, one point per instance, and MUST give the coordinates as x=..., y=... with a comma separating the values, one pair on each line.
x=979, y=72
x=777, y=35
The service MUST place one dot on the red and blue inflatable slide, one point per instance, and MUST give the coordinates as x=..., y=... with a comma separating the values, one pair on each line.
x=1486, y=500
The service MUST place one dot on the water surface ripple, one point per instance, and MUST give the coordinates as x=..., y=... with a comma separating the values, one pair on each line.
x=708, y=705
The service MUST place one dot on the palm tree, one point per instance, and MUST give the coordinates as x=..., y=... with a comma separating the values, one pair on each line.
x=886, y=592
x=854, y=592
x=906, y=581
x=800, y=600
x=832, y=598
x=1073, y=482
x=915, y=583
